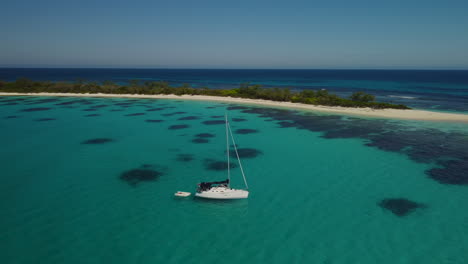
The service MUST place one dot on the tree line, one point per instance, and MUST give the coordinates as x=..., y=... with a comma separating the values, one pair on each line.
x=245, y=90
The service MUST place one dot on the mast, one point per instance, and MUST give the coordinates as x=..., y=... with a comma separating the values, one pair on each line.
x=237, y=154
x=227, y=152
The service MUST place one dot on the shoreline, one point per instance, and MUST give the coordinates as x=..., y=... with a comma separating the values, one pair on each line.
x=407, y=114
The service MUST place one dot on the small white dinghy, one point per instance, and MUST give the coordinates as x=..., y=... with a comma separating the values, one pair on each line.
x=222, y=189
x=182, y=194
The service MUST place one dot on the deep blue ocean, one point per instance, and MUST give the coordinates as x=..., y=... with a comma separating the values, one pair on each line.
x=442, y=90
x=92, y=180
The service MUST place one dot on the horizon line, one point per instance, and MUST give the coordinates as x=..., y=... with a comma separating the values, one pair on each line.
x=282, y=69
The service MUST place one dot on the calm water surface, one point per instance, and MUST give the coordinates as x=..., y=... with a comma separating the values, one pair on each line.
x=92, y=181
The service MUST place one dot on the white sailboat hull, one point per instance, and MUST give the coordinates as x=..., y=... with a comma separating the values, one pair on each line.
x=223, y=193
x=221, y=189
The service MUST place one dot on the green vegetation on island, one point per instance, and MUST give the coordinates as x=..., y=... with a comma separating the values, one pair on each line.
x=246, y=90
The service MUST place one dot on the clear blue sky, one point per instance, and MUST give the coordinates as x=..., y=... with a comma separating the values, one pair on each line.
x=235, y=34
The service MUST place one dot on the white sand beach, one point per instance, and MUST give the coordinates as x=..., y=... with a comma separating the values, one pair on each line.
x=377, y=113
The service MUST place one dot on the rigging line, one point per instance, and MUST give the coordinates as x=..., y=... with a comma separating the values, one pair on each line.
x=227, y=151
x=237, y=154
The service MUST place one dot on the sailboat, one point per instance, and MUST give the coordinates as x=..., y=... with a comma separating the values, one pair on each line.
x=222, y=189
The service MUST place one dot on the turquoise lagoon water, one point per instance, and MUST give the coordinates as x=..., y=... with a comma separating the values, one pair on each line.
x=314, y=190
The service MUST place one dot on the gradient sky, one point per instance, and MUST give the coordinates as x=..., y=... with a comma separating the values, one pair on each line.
x=235, y=34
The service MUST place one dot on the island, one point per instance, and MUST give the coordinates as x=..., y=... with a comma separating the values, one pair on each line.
x=359, y=103
x=245, y=90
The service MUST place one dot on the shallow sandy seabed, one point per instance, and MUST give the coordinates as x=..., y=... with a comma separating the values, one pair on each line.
x=378, y=113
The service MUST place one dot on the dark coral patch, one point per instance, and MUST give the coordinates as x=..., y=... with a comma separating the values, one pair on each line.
x=36, y=109
x=447, y=149
x=239, y=119
x=136, y=176
x=124, y=103
x=135, y=114
x=8, y=100
x=154, y=120
x=244, y=131
x=116, y=110
x=174, y=127
x=200, y=140
x=155, y=109
x=210, y=107
x=400, y=206
x=277, y=114
x=81, y=101
x=286, y=124
x=185, y=157
x=237, y=107
x=11, y=117
x=217, y=165
x=453, y=172
x=216, y=116
x=97, y=141
x=12, y=103
x=91, y=115
x=99, y=106
x=43, y=101
x=66, y=103
x=174, y=113
x=189, y=118
x=214, y=122
x=246, y=152
x=205, y=135
x=89, y=109
x=44, y=119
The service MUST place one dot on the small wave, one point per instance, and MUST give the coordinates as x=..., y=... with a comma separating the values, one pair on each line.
x=403, y=97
